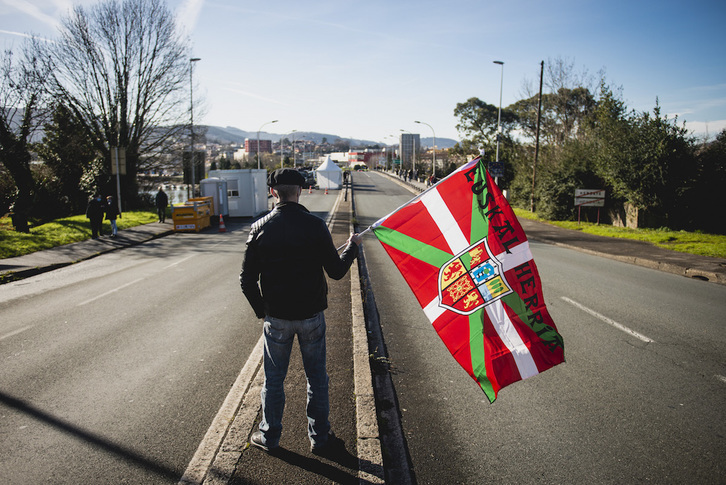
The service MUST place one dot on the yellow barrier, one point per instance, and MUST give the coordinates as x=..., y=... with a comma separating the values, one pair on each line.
x=193, y=215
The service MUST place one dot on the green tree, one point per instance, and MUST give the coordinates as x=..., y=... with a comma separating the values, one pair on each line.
x=478, y=123
x=68, y=152
x=225, y=163
x=645, y=158
x=705, y=201
x=564, y=115
x=21, y=112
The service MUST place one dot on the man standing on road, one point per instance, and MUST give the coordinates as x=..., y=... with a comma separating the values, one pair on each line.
x=162, y=200
x=94, y=213
x=282, y=278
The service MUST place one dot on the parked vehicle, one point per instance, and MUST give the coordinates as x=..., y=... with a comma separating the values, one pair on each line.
x=309, y=178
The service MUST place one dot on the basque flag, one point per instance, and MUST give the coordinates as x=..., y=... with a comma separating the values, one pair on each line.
x=463, y=253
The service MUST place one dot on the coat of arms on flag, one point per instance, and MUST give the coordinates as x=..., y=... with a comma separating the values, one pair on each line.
x=471, y=280
x=462, y=251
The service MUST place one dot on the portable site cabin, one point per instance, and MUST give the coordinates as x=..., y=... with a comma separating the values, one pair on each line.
x=216, y=188
x=329, y=175
x=246, y=191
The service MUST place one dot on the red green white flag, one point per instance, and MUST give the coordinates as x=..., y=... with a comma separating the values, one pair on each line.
x=462, y=251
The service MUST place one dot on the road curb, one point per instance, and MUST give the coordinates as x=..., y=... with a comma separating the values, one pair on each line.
x=370, y=456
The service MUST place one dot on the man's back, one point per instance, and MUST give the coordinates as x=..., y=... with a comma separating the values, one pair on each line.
x=287, y=251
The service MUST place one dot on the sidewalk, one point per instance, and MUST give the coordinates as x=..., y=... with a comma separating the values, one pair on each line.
x=41, y=261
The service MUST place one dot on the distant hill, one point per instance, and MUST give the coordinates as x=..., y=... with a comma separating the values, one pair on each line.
x=230, y=135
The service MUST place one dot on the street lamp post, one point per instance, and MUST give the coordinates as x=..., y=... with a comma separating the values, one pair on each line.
x=499, y=116
x=191, y=119
x=294, y=165
x=433, y=162
x=393, y=152
x=258, y=141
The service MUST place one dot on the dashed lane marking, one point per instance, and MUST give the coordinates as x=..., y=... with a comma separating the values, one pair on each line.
x=608, y=320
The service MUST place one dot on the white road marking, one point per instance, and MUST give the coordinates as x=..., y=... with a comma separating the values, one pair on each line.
x=608, y=320
x=199, y=466
x=110, y=292
x=15, y=332
x=721, y=378
x=180, y=261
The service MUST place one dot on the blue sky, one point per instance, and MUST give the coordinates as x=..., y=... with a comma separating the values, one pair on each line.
x=367, y=70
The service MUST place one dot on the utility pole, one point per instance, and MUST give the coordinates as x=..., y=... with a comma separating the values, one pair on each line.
x=191, y=120
x=536, y=143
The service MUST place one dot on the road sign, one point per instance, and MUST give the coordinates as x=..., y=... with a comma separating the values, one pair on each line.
x=118, y=160
x=496, y=169
x=589, y=197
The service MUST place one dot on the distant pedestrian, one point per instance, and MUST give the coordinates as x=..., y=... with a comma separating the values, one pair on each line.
x=94, y=213
x=283, y=277
x=112, y=213
x=162, y=200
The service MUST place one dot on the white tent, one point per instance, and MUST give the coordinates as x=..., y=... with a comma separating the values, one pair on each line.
x=329, y=175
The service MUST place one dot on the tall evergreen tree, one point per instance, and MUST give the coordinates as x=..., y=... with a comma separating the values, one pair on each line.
x=69, y=153
x=21, y=103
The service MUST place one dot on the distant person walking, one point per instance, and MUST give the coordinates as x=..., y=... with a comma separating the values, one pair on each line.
x=283, y=277
x=112, y=213
x=162, y=200
x=94, y=213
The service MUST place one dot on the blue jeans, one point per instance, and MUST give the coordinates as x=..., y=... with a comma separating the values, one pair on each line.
x=279, y=335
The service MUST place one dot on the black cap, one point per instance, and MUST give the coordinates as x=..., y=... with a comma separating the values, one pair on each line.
x=285, y=176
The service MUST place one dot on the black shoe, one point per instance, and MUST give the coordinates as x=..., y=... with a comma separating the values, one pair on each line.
x=332, y=446
x=257, y=440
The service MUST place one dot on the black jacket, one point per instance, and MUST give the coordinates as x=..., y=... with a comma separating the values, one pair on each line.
x=287, y=251
x=111, y=211
x=95, y=209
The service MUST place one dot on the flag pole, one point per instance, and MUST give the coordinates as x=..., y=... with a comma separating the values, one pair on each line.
x=360, y=234
x=380, y=221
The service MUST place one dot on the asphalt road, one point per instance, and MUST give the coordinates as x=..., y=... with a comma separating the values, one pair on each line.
x=114, y=368
x=641, y=397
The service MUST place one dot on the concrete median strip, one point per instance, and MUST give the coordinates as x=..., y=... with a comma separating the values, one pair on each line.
x=217, y=456
x=238, y=404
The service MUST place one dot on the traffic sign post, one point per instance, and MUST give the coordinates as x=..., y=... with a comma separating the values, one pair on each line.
x=118, y=168
x=589, y=198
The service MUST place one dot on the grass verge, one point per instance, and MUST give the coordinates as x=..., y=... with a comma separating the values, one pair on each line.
x=60, y=232
x=686, y=242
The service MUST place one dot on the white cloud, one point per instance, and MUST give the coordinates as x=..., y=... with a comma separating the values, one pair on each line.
x=19, y=34
x=188, y=14
x=706, y=129
x=32, y=10
x=255, y=96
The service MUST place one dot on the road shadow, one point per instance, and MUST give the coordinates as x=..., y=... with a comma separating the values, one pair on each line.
x=339, y=466
x=88, y=437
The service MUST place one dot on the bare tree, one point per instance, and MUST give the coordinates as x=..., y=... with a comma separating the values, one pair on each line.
x=569, y=98
x=21, y=100
x=122, y=68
